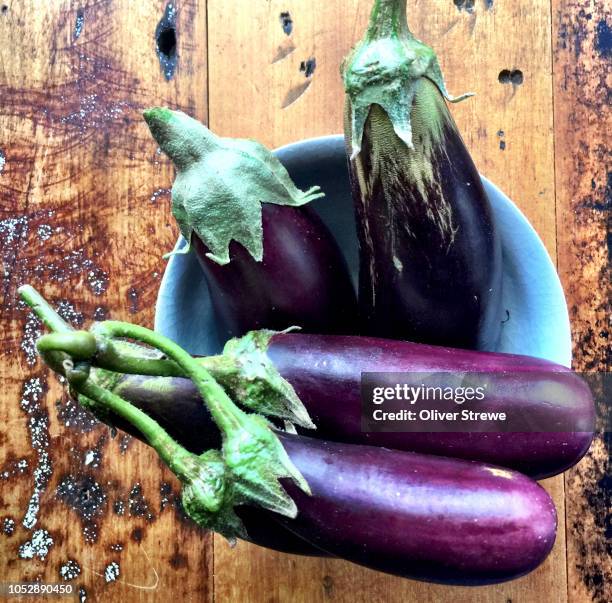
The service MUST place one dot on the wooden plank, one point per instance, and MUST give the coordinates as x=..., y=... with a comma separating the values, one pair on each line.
x=84, y=216
x=582, y=42
x=258, y=89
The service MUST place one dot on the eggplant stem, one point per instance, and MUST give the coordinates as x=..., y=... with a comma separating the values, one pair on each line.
x=224, y=412
x=253, y=458
x=41, y=307
x=124, y=357
x=388, y=18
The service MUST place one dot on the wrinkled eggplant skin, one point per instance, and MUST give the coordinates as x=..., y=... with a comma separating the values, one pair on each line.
x=422, y=279
x=303, y=280
x=422, y=517
x=326, y=374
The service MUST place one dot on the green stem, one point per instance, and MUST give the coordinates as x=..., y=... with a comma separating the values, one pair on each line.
x=387, y=19
x=52, y=320
x=118, y=356
x=124, y=357
x=225, y=413
x=80, y=345
x=253, y=459
x=170, y=451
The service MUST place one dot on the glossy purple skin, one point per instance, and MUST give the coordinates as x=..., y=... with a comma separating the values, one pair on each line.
x=326, y=374
x=422, y=517
x=302, y=280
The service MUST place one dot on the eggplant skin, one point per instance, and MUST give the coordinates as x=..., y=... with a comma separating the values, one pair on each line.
x=303, y=279
x=421, y=517
x=430, y=254
x=325, y=372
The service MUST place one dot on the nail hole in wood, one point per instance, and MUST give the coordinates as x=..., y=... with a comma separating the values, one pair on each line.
x=286, y=23
x=166, y=42
x=514, y=77
x=165, y=38
x=308, y=67
x=466, y=5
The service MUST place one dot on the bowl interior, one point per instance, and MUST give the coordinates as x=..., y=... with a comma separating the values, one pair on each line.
x=536, y=324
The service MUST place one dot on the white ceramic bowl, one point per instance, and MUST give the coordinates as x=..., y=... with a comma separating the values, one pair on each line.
x=538, y=323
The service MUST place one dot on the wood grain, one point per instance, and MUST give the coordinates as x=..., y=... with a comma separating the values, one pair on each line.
x=582, y=36
x=84, y=216
x=253, y=93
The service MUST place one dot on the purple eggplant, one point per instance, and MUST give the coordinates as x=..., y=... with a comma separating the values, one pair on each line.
x=269, y=261
x=430, y=253
x=423, y=517
x=301, y=280
x=325, y=372
x=431, y=518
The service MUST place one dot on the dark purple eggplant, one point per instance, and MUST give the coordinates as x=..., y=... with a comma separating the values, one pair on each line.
x=302, y=278
x=325, y=372
x=269, y=261
x=430, y=253
x=423, y=517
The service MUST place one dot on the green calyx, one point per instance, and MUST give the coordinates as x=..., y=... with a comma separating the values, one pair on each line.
x=252, y=460
x=220, y=177
x=243, y=369
x=208, y=497
x=252, y=379
x=383, y=69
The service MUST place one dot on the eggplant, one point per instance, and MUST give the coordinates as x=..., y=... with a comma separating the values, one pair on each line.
x=422, y=517
x=269, y=261
x=325, y=372
x=412, y=515
x=430, y=253
x=301, y=280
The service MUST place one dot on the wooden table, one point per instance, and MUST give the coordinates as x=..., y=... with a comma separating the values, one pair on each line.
x=85, y=216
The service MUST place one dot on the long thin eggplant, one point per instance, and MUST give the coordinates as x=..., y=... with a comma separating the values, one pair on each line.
x=325, y=372
x=430, y=254
x=269, y=261
x=422, y=517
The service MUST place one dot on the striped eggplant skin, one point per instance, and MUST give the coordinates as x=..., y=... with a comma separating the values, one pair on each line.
x=430, y=254
x=422, y=517
x=302, y=279
x=325, y=372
